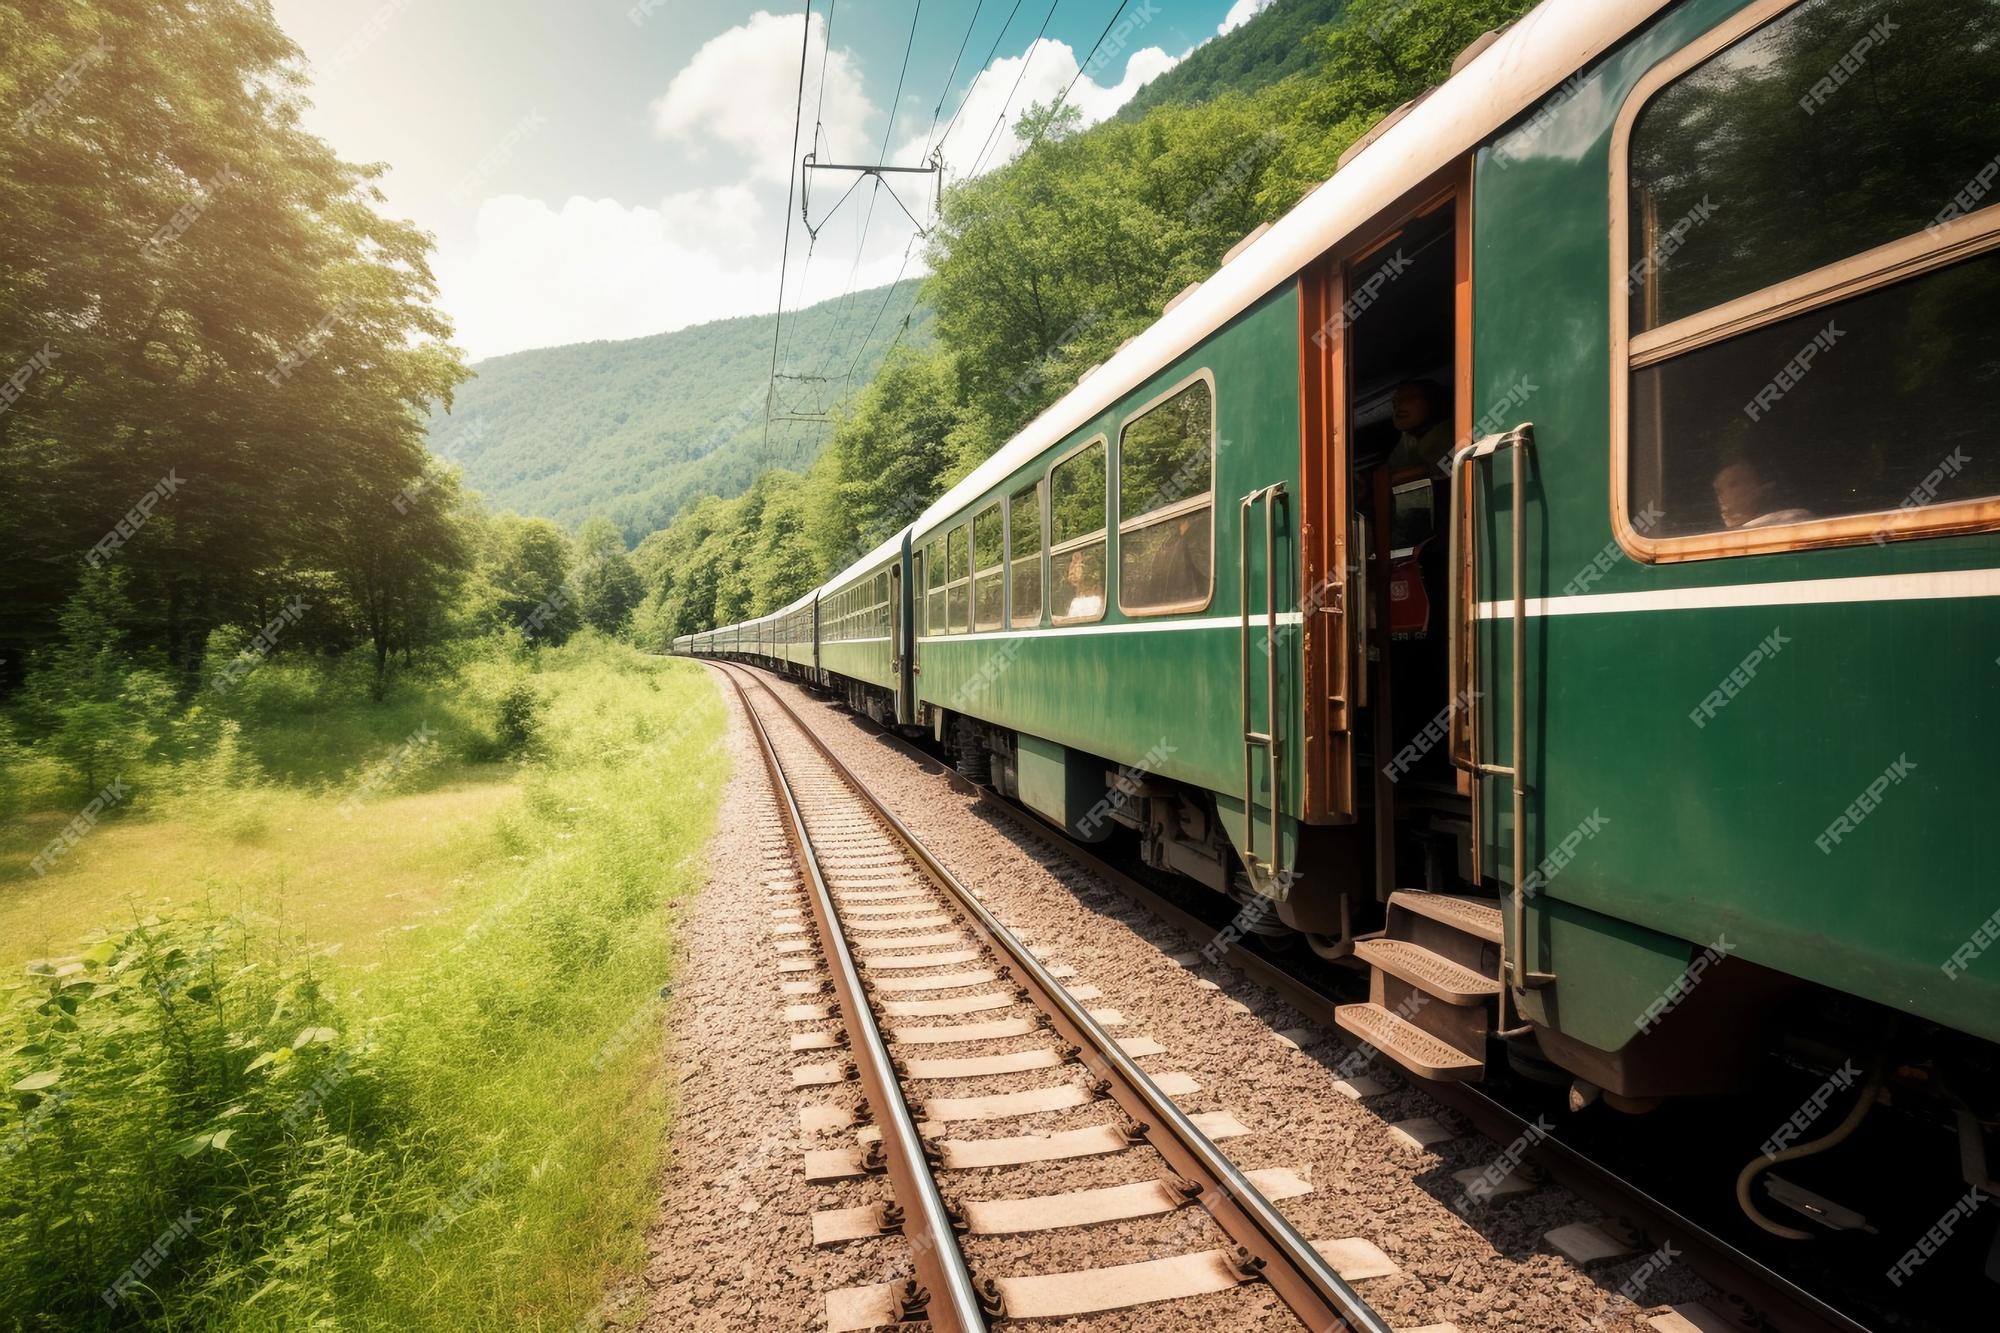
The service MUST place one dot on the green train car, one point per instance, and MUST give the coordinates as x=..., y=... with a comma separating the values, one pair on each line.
x=1553, y=566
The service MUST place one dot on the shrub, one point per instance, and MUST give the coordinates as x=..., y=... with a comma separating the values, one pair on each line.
x=518, y=717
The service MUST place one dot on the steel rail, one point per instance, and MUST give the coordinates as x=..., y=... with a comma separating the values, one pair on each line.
x=1790, y=1306
x=1269, y=1246
x=940, y=1264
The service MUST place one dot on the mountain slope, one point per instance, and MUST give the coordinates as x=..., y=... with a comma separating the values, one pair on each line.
x=640, y=429
x=1269, y=47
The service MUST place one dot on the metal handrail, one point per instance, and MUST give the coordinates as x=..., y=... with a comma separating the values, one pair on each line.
x=1517, y=442
x=1267, y=738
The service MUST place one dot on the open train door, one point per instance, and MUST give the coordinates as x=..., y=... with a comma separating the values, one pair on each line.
x=1327, y=558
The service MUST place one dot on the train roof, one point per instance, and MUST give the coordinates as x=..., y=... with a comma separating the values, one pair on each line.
x=1542, y=49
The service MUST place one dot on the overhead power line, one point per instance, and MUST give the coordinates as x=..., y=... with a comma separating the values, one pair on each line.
x=784, y=255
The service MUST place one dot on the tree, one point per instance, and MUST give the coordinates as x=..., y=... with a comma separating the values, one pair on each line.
x=213, y=296
x=88, y=690
x=608, y=587
x=531, y=580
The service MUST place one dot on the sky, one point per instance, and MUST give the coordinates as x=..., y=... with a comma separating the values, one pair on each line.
x=597, y=169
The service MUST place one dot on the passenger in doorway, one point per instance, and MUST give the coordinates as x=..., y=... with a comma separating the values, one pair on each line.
x=1744, y=495
x=1422, y=412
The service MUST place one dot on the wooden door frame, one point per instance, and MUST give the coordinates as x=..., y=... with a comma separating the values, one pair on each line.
x=1337, y=675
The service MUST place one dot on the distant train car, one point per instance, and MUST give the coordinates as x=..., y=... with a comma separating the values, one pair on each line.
x=864, y=633
x=1554, y=565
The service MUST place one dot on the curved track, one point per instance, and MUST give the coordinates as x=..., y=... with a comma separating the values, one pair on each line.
x=858, y=862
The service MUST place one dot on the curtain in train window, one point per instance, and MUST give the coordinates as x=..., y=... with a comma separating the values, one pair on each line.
x=1166, y=465
x=1076, y=535
x=1811, y=280
x=1024, y=539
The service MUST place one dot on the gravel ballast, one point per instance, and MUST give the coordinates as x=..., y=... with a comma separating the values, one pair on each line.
x=733, y=1247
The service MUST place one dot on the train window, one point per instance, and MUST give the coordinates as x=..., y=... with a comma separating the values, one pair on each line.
x=1166, y=465
x=934, y=581
x=989, y=559
x=958, y=590
x=1809, y=237
x=1024, y=518
x=1076, y=535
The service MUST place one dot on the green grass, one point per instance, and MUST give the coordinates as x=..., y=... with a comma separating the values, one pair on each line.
x=469, y=970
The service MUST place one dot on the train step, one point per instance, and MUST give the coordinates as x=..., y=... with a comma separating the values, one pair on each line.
x=1407, y=1044
x=1431, y=975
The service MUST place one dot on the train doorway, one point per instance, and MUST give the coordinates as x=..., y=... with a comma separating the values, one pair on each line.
x=1397, y=377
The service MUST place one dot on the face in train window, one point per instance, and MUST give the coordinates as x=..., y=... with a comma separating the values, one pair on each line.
x=1165, y=517
x=1810, y=343
x=1076, y=535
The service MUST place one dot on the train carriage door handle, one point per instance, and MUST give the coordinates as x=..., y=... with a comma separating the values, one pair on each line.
x=1267, y=739
x=1464, y=665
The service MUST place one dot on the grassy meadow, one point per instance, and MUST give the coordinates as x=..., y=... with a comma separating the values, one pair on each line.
x=349, y=1014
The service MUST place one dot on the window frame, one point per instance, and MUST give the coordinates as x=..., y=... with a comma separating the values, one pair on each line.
x=1923, y=252
x=961, y=529
x=933, y=558
x=1039, y=489
x=998, y=509
x=1050, y=549
x=1167, y=512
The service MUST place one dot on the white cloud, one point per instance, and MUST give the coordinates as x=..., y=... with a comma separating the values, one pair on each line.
x=1241, y=13
x=736, y=94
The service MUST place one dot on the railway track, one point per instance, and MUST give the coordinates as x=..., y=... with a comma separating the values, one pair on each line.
x=1763, y=1296
x=902, y=940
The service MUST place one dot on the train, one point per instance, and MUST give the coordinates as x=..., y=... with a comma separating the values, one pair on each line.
x=1553, y=567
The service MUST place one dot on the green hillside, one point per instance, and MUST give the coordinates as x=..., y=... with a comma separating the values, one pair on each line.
x=639, y=430
x=1274, y=45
